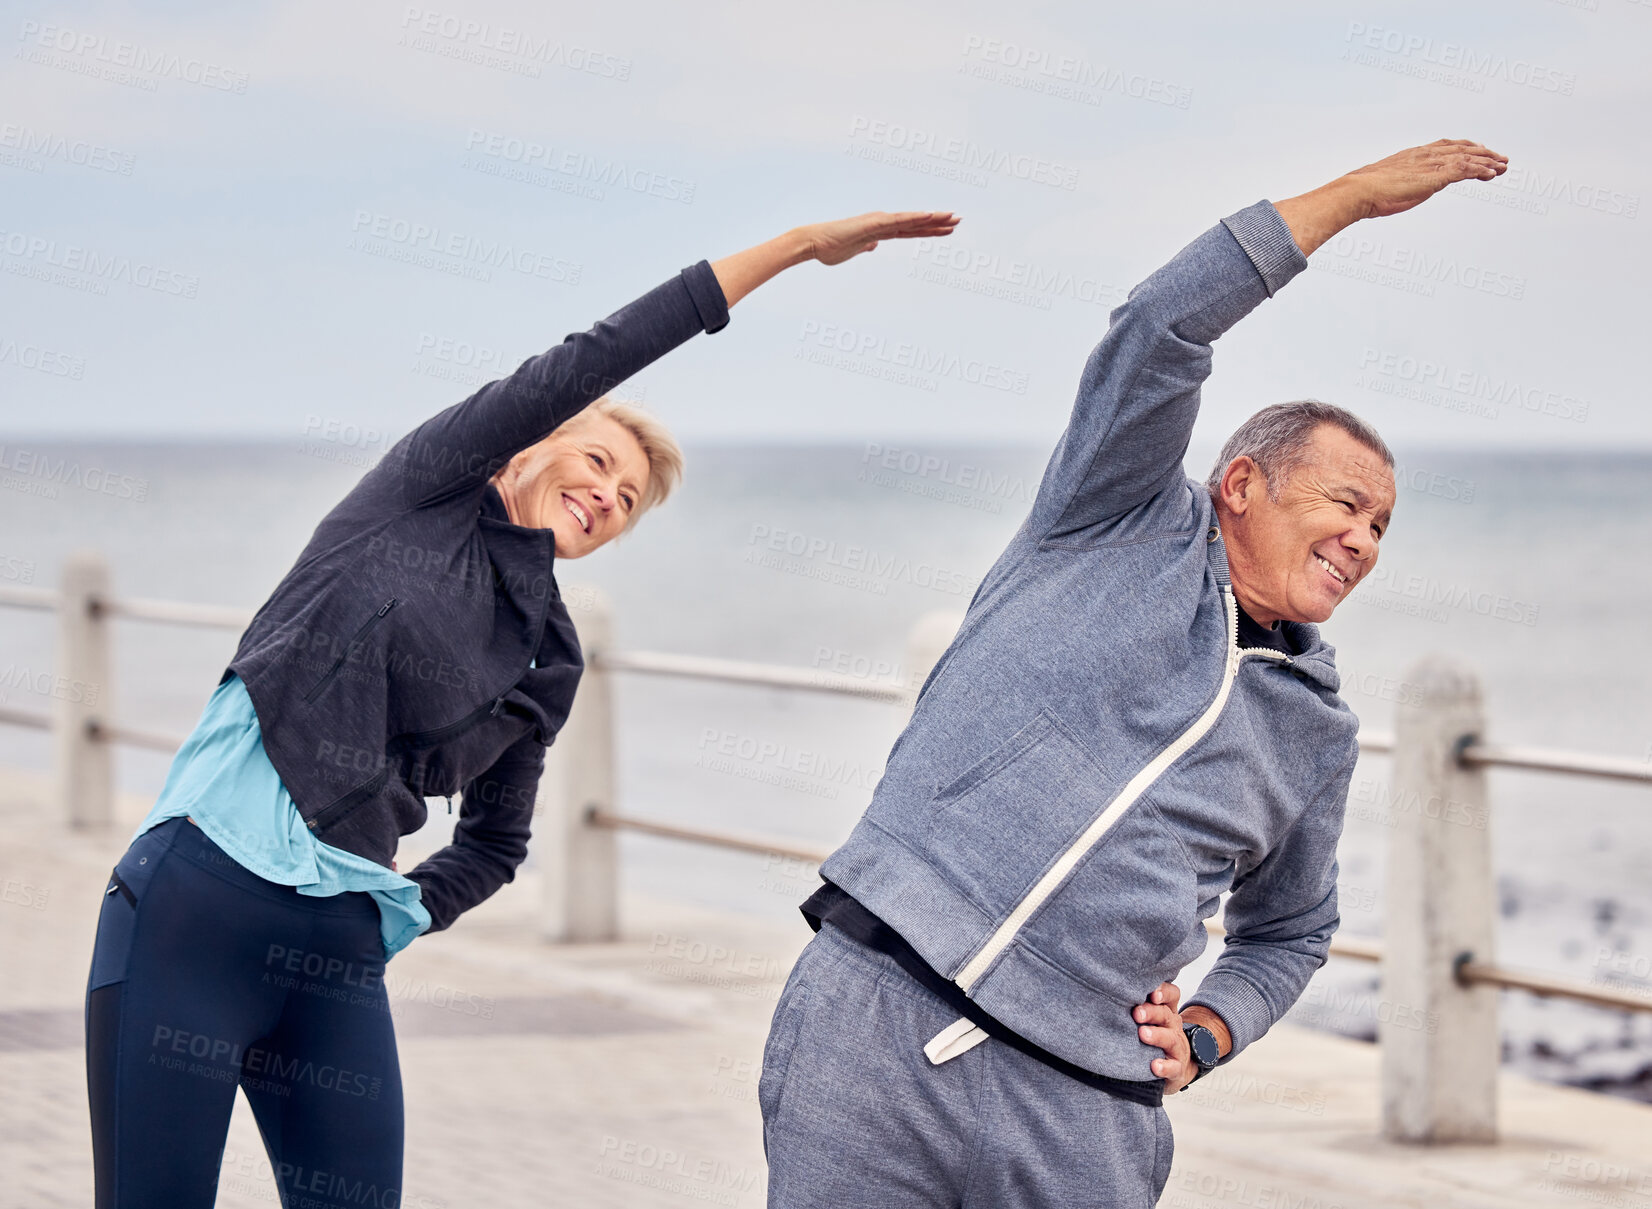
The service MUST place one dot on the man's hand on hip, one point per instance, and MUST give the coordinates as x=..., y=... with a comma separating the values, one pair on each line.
x=1159, y=1023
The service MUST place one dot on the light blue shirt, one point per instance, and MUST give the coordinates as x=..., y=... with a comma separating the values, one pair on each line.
x=222, y=779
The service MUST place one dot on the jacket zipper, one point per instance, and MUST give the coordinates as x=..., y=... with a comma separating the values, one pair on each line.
x=324, y=817
x=417, y=738
x=407, y=739
x=1137, y=786
x=315, y=689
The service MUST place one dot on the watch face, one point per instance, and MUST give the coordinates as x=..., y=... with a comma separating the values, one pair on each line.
x=1203, y=1043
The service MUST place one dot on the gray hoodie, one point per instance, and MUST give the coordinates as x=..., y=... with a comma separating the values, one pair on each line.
x=1095, y=760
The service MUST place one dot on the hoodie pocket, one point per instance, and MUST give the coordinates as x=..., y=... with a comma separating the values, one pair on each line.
x=784, y=1031
x=1164, y=1151
x=1127, y=918
x=998, y=825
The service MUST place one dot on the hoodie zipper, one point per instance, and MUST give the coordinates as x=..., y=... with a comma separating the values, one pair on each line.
x=1127, y=797
x=361, y=631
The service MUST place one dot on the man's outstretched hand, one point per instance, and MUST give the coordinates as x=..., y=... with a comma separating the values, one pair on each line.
x=1410, y=177
x=1390, y=186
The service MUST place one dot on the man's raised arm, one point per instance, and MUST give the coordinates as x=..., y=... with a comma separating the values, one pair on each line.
x=1139, y=394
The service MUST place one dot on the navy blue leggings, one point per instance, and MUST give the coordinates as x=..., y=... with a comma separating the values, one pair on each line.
x=206, y=977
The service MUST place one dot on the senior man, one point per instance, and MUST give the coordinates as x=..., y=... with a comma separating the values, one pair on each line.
x=1137, y=715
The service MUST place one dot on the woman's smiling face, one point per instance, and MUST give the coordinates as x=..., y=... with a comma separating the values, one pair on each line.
x=583, y=483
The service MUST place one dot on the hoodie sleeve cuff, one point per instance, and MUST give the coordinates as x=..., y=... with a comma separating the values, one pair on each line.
x=1267, y=240
x=1239, y=1004
x=707, y=296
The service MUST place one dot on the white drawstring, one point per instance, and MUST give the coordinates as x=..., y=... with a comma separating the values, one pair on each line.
x=959, y=1037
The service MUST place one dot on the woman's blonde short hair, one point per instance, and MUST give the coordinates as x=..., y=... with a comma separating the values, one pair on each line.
x=665, y=456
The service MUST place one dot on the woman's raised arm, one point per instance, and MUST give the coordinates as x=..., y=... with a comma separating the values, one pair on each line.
x=461, y=447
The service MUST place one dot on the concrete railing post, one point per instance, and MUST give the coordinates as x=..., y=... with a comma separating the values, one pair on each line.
x=926, y=642
x=1440, y=1047
x=80, y=694
x=581, y=861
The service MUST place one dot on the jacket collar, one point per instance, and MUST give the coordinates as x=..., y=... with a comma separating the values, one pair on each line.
x=493, y=504
x=1317, y=658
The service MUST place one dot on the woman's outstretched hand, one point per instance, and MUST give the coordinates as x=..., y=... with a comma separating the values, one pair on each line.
x=836, y=242
x=827, y=242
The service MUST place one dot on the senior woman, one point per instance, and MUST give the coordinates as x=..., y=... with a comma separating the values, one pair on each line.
x=418, y=647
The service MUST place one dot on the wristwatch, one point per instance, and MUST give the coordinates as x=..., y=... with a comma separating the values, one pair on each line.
x=1206, y=1051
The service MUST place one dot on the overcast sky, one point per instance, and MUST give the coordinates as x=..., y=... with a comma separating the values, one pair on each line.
x=286, y=220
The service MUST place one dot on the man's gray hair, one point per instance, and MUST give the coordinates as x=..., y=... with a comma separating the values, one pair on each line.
x=1276, y=439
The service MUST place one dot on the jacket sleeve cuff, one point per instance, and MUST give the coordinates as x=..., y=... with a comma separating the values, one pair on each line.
x=1267, y=240
x=707, y=296
x=1239, y=1004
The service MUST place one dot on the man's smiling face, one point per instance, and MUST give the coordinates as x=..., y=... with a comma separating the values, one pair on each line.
x=1299, y=556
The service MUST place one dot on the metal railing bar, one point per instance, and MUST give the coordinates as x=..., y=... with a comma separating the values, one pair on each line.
x=38, y=719
x=1358, y=948
x=735, y=671
x=30, y=598
x=109, y=732
x=1532, y=759
x=692, y=835
x=1348, y=946
x=1547, y=986
x=175, y=612
x=136, y=608
x=1549, y=759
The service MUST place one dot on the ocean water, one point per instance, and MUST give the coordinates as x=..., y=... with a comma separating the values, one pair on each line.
x=1520, y=565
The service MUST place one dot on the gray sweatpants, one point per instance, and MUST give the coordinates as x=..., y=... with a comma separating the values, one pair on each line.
x=855, y=1115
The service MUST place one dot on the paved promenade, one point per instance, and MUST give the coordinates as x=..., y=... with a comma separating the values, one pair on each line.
x=626, y=1074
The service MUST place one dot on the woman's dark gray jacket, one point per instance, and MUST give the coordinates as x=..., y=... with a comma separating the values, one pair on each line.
x=419, y=646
